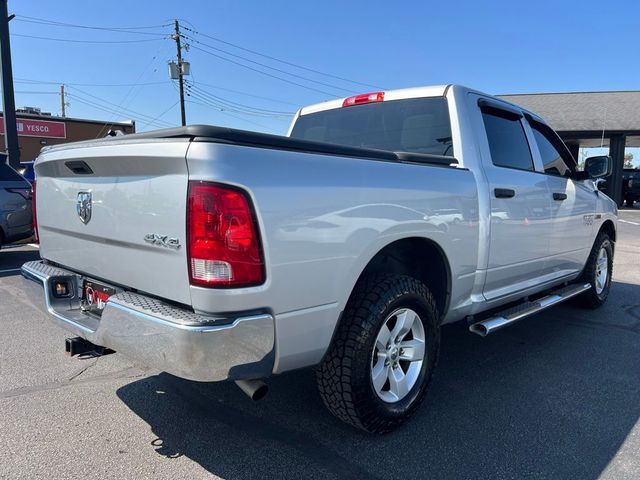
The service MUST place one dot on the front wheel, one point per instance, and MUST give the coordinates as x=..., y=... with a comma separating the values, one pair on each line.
x=598, y=272
x=381, y=360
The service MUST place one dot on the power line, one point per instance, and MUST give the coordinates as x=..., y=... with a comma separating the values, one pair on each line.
x=132, y=29
x=280, y=60
x=91, y=104
x=231, y=113
x=114, y=108
x=264, y=73
x=268, y=66
x=109, y=111
x=264, y=111
x=99, y=99
x=164, y=112
x=113, y=111
x=138, y=79
x=227, y=108
x=251, y=122
x=54, y=23
x=44, y=82
x=85, y=41
x=233, y=105
x=220, y=103
x=103, y=109
x=270, y=99
x=246, y=120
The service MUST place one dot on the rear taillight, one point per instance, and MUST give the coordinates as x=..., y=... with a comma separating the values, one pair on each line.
x=224, y=248
x=33, y=210
x=363, y=98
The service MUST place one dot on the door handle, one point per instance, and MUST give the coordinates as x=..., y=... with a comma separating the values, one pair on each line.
x=559, y=196
x=504, y=192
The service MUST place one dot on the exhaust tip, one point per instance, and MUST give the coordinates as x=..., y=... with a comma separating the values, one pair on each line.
x=260, y=393
x=479, y=329
x=254, y=389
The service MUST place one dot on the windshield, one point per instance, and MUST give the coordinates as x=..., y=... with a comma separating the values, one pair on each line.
x=417, y=125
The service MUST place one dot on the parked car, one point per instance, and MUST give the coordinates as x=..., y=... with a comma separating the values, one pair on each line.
x=16, y=221
x=218, y=254
x=27, y=171
x=631, y=186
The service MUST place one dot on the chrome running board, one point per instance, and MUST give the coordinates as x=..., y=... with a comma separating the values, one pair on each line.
x=514, y=314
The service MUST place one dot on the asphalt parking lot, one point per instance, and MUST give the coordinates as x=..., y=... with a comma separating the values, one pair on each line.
x=556, y=396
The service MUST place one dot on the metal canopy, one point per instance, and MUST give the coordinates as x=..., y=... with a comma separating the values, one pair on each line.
x=591, y=119
x=585, y=112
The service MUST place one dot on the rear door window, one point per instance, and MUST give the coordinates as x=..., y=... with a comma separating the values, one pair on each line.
x=507, y=140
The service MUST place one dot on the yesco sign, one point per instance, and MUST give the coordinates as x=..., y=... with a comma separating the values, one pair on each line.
x=38, y=128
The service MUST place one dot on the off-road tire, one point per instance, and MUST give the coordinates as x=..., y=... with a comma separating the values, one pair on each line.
x=344, y=375
x=591, y=298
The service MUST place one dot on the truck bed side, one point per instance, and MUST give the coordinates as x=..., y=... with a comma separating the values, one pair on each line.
x=323, y=218
x=324, y=212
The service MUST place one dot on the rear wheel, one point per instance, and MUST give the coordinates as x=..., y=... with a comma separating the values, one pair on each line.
x=379, y=365
x=598, y=271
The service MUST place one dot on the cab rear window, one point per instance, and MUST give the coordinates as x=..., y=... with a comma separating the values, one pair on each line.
x=417, y=125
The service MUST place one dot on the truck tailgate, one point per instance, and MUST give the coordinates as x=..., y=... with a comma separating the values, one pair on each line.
x=137, y=189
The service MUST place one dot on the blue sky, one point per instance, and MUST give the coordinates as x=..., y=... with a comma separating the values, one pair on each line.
x=498, y=47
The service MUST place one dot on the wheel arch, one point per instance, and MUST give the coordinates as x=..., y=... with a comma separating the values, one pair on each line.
x=609, y=228
x=418, y=257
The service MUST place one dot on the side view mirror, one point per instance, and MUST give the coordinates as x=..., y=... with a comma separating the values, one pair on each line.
x=598, y=167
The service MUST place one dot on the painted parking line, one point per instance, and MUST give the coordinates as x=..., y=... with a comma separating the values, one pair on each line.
x=629, y=222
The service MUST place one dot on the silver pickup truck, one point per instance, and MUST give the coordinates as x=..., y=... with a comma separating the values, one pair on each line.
x=218, y=254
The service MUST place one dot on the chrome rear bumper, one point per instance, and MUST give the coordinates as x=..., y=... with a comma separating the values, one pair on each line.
x=159, y=335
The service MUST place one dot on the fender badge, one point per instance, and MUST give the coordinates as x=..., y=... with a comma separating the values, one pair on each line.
x=162, y=241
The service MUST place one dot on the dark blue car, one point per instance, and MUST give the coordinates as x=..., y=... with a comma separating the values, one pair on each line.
x=16, y=222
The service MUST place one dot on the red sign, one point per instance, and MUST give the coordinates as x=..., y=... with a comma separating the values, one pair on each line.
x=38, y=128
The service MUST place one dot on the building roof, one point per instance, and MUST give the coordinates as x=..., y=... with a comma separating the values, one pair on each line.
x=584, y=111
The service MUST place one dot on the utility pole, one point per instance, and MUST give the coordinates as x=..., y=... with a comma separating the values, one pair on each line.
x=180, y=74
x=62, y=101
x=8, y=99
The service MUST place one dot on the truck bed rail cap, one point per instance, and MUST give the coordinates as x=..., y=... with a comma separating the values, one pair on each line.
x=232, y=136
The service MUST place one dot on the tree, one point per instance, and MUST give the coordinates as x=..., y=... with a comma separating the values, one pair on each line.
x=628, y=160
